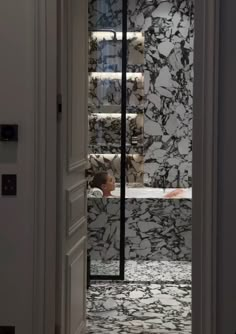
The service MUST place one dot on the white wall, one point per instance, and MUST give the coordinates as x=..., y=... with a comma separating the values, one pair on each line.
x=17, y=214
x=227, y=171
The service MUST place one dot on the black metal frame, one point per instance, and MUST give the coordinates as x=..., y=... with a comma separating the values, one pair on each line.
x=123, y=152
x=123, y=140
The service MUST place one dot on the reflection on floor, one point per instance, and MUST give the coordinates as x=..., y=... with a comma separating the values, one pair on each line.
x=155, y=298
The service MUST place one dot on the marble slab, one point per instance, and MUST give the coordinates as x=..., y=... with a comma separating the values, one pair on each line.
x=105, y=133
x=105, y=52
x=139, y=308
x=105, y=88
x=106, y=15
x=104, y=229
x=155, y=229
x=112, y=164
x=168, y=78
x=158, y=229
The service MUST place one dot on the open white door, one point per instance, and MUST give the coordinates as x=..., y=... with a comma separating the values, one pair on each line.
x=72, y=162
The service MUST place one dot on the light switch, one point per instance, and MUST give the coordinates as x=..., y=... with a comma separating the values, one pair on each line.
x=8, y=133
x=7, y=330
x=9, y=185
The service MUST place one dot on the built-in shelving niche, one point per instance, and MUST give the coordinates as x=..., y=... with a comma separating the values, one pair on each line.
x=105, y=98
x=105, y=133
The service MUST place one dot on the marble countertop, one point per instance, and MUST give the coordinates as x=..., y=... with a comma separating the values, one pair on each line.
x=147, y=192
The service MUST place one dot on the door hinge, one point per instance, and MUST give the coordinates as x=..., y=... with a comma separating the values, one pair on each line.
x=59, y=105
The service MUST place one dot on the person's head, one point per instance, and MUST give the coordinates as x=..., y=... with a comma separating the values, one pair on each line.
x=105, y=182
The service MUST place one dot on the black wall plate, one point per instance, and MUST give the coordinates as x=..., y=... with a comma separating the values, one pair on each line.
x=7, y=330
x=8, y=132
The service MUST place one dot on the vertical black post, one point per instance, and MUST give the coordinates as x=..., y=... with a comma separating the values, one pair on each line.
x=123, y=139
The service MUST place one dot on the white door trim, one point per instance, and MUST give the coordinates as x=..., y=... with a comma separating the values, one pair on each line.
x=45, y=73
x=205, y=146
x=204, y=166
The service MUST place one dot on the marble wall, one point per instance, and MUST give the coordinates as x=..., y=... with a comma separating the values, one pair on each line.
x=160, y=51
x=156, y=229
x=104, y=228
x=105, y=52
x=105, y=133
x=105, y=89
x=168, y=78
x=112, y=164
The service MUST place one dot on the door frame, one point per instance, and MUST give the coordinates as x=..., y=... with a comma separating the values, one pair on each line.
x=205, y=146
x=45, y=139
x=205, y=164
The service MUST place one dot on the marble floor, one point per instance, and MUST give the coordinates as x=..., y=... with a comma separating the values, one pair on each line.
x=146, y=271
x=154, y=298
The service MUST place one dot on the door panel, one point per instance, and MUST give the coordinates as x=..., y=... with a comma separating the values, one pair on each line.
x=72, y=162
x=76, y=207
x=77, y=84
x=76, y=285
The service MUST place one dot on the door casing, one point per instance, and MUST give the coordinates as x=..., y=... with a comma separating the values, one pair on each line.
x=206, y=64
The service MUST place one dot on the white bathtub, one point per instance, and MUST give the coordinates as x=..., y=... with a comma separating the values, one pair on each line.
x=146, y=192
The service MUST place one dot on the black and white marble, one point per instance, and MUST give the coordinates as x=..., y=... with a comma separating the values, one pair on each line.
x=112, y=164
x=105, y=89
x=155, y=229
x=168, y=30
x=168, y=81
x=158, y=229
x=105, y=52
x=104, y=228
x=145, y=270
x=139, y=308
x=105, y=133
x=105, y=15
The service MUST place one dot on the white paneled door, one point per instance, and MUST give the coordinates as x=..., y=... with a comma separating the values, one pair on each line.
x=72, y=163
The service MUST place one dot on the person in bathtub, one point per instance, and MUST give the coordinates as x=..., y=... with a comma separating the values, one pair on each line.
x=102, y=185
x=176, y=193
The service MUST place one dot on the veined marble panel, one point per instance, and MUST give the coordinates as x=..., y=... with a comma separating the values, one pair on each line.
x=108, y=15
x=105, y=89
x=105, y=52
x=142, y=12
x=105, y=15
x=168, y=81
x=104, y=229
x=155, y=229
x=105, y=133
x=159, y=229
x=112, y=164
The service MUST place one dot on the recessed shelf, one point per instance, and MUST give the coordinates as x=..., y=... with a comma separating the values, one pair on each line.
x=110, y=36
x=115, y=75
x=135, y=155
x=113, y=115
